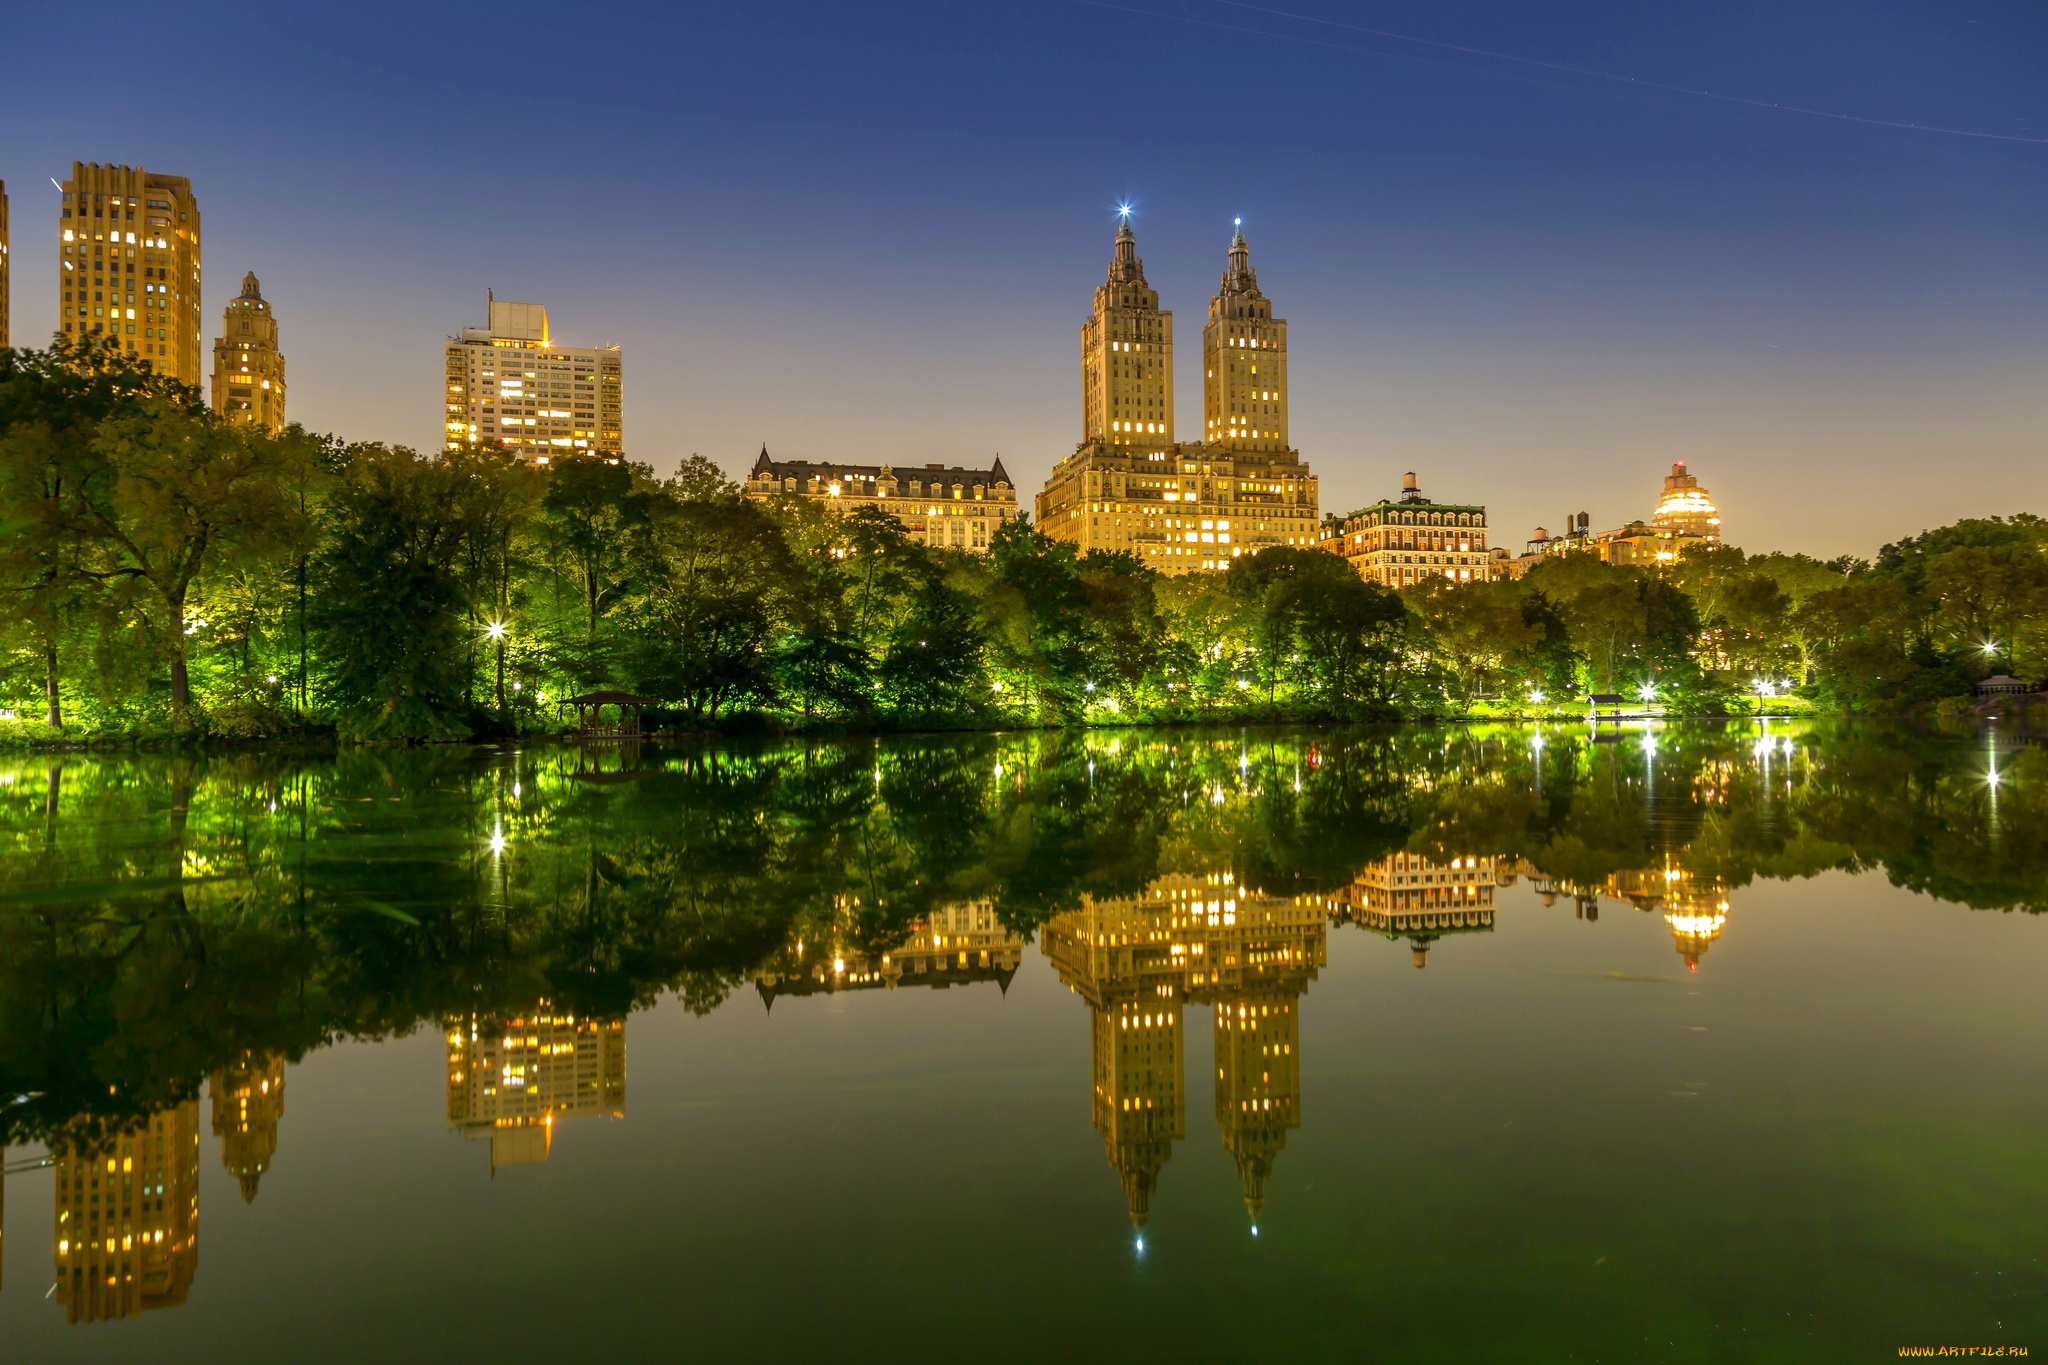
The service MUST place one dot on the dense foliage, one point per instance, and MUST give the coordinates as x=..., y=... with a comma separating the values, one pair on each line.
x=162, y=571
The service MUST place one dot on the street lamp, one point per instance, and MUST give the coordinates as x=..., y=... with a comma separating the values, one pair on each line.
x=496, y=630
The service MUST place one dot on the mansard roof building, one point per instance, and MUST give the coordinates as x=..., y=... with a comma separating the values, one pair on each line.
x=946, y=506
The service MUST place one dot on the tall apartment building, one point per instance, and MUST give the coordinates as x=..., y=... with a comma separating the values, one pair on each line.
x=1244, y=362
x=1191, y=939
x=1401, y=543
x=1127, y=355
x=5, y=301
x=248, y=368
x=1130, y=486
x=129, y=273
x=511, y=1079
x=248, y=1103
x=509, y=385
x=128, y=1218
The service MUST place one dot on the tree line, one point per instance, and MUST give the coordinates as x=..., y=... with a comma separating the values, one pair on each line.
x=165, y=572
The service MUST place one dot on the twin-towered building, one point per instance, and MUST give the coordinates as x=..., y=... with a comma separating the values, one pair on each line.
x=1131, y=486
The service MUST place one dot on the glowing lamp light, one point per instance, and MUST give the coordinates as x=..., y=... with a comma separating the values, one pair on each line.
x=1649, y=693
x=1536, y=694
x=496, y=630
x=497, y=841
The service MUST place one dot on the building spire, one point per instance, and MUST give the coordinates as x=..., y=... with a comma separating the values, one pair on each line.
x=1124, y=265
x=250, y=288
x=1240, y=278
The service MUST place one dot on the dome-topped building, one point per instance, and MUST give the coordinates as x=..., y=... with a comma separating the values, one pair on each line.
x=1685, y=509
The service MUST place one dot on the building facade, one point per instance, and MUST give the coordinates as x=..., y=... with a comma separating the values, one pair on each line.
x=1137, y=961
x=1412, y=897
x=509, y=385
x=1685, y=518
x=248, y=1104
x=961, y=944
x=128, y=1218
x=1127, y=355
x=248, y=367
x=128, y=275
x=954, y=507
x=1244, y=363
x=511, y=1080
x=1130, y=487
x=1407, y=541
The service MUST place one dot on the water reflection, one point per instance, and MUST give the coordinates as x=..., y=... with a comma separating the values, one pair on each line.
x=173, y=920
x=1204, y=940
x=511, y=1079
x=127, y=1227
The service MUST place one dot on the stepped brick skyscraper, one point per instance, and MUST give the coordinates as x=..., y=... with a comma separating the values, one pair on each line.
x=128, y=274
x=1127, y=356
x=1244, y=362
x=1129, y=487
x=509, y=385
x=248, y=369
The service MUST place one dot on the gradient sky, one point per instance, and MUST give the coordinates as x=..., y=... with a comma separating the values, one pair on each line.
x=872, y=232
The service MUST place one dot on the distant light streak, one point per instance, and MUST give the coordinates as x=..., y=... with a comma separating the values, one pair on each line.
x=1536, y=62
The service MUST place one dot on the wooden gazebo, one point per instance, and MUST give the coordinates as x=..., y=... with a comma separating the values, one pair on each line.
x=590, y=721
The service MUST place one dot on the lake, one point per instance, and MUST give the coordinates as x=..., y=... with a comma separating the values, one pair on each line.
x=1672, y=1042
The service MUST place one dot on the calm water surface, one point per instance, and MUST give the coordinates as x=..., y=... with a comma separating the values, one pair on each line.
x=1716, y=1042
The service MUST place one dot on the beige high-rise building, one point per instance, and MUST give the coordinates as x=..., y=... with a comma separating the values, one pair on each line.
x=5, y=299
x=1244, y=362
x=128, y=1218
x=1129, y=487
x=508, y=384
x=1191, y=939
x=511, y=1079
x=128, y=274
x=248, y=1103
x=1127, y=356
x=248, y=369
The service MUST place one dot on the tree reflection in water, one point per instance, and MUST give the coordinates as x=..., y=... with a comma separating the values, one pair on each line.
x=171, y=918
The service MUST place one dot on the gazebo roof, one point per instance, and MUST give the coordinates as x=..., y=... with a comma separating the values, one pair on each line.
x=610, y=699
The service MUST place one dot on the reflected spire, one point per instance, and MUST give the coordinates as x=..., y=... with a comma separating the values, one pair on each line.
x=248, y=1102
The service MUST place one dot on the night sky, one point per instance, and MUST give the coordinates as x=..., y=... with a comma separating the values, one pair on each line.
x=870, y=232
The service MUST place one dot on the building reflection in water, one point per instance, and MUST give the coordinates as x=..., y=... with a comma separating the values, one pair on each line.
x=1409, y=896
x=248, y=1102
x=1694, y=904
x=1137, y=961
x=955, y=945
x=128, y=1218
x=512, y=1079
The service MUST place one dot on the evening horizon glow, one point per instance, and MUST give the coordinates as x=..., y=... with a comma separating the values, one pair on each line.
x=1535, y=288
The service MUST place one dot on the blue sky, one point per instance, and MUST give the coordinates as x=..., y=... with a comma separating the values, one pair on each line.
x=872, y=232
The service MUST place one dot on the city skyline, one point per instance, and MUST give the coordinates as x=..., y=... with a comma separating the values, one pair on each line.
x=1524, y=287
